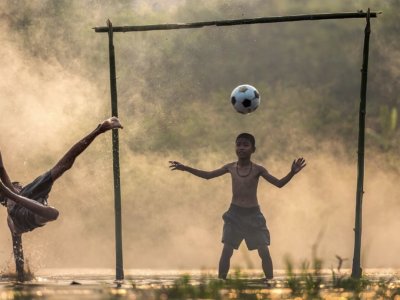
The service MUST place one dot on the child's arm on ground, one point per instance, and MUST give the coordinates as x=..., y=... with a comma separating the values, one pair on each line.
x=174, y=165
x=4, y=176
x=297, y=166
x=18, y=256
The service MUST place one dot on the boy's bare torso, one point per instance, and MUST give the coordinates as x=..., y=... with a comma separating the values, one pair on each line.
x=244, y=183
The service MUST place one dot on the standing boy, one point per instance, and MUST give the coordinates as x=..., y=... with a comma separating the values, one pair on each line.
x=244, y=220
x=27, y=206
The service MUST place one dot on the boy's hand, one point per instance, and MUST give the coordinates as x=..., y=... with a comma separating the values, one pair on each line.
x=174, y=165
x=298, y=164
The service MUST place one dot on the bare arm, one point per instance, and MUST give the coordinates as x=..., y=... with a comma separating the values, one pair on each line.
x=297, y=166
x=18, y=256
x=174, y=165
x=4, y=176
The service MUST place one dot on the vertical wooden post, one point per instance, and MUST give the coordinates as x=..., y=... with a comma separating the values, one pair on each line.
x=356, y=269
x=115, y=142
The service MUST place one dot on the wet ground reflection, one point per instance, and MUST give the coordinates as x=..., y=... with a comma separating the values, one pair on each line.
x=56, y=284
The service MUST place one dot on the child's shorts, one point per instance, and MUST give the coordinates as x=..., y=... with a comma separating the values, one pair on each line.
x=245, y=223
x=37, y=190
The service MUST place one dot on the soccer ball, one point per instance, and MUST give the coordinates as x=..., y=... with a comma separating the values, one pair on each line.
x=245, y=98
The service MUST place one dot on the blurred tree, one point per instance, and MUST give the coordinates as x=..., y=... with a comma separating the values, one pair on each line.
x=175, y=85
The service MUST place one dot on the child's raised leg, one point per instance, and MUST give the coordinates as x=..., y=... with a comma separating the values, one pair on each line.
x=266, y=260
x=68, y=159
x=225, y=261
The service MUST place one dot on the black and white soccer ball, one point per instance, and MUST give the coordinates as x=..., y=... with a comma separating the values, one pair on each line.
x=245, y=98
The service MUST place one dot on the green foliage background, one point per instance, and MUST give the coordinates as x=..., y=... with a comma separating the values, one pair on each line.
x=176, y=84
x=174, y=101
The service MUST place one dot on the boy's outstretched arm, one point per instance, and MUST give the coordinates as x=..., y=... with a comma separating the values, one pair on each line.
x=297, y=166
x=174, y=165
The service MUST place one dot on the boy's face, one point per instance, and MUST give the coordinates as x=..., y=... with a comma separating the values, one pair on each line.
x=244, y=148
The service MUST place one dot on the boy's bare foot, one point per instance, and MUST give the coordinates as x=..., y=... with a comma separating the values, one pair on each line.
x=269, y=283
x=110, y=123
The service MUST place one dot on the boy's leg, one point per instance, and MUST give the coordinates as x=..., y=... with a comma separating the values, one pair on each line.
x=68, y=159
x=18, y=256
x=266, y=260
x=4, y=175
x=47, y=213
x=224, y=262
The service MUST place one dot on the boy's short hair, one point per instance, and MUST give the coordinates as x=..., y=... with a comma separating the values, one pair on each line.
x=249, y=137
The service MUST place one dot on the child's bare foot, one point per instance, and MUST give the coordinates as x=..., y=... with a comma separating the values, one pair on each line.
x=110, y=123
x=269, y=283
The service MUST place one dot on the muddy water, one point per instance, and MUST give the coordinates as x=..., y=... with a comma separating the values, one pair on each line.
x=59, y=284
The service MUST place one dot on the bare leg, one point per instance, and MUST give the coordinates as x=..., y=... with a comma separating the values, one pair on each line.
x=4, y=176
x=224, y=262
x=263, y=252
x=68, y=159
x=18, y=256
x=46, y=213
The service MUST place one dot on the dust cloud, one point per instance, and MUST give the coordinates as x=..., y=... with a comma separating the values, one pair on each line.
x=170, y=219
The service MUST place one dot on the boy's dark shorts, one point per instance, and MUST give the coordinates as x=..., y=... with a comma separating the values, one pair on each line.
x=37, y=190
x=245, y=223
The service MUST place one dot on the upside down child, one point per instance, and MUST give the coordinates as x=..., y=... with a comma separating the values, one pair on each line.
x=27, y=205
